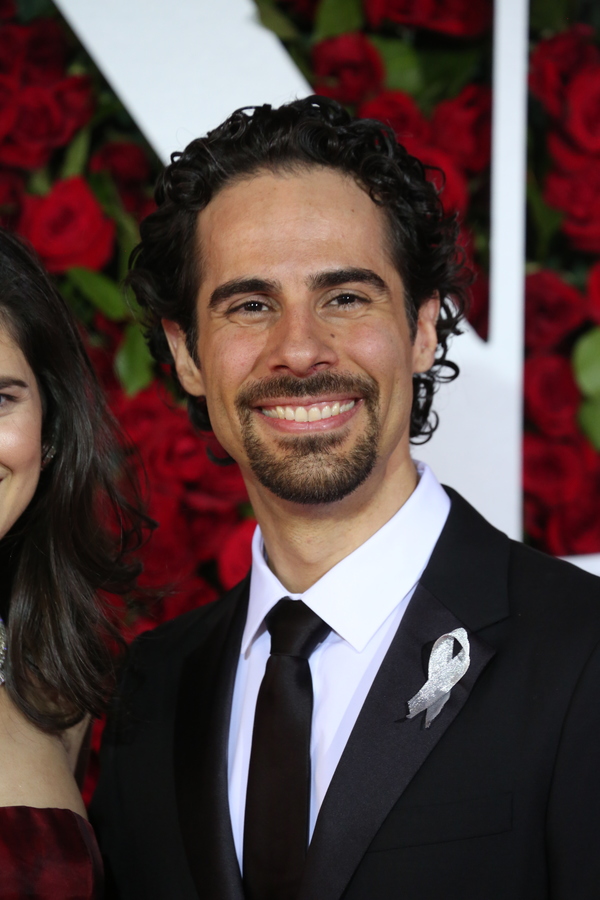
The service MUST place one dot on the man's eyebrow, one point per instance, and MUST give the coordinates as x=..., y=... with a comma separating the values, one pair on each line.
x=338, y=277
x=242, y=286
x=9, y=381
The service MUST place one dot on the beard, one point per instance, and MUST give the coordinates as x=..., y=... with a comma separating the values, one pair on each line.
x=310, y=469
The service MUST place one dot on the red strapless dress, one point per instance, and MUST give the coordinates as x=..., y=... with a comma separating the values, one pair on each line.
x=48, y=854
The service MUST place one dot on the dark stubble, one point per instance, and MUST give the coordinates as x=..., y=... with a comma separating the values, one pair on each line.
x=310, y=468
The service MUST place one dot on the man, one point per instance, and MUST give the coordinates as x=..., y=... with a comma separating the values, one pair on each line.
x=422, y=712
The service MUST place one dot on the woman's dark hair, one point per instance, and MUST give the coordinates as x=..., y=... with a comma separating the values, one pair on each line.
x=72, y=544
x=315, y=131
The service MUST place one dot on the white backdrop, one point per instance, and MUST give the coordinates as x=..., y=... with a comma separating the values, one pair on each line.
x=182, y=66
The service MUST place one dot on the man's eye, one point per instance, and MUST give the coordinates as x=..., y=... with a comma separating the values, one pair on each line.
x=250, y=306
x=6, y=400
x=345, y=301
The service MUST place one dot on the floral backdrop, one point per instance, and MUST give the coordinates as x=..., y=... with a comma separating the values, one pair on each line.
x=76, y=177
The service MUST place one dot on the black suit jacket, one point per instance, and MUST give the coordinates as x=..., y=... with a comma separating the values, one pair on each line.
x=499, y=799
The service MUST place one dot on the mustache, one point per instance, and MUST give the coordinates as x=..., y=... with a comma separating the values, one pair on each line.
x=311, y=386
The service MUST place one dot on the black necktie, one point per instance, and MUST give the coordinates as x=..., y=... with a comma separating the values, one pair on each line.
x=278, y=797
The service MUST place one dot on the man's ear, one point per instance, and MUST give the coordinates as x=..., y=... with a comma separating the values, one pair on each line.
x=190, y=376
x=426, y=339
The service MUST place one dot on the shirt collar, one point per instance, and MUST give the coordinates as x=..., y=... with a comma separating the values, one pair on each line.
x=358, y=594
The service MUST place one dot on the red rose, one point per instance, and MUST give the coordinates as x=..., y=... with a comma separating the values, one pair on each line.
x=45, y=118
x=13, y=48
x=553, y=309
x=38, y=125
x=174, y=454
x=554, y=62
x=567, y=157
x=582, y=109
x=593, y=287
x=401, y=113
x=551, y=395
x=464, y=18
x=46, y=52
x=347, y=68
x=76, y=100
x=574, y=527
x=210, y=530
x=125, y=161
x=553, y=471
x=145, y=413
x=67, y=227
x=413, y=131
x=463, y=127
x=578, y=195
x=449, y=181
x=235, y=556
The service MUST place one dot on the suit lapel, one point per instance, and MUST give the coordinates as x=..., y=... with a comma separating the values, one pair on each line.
x=468, y=569
x=200, y=753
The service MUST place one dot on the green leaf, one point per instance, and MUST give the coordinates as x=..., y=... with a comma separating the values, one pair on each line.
x=76, y=155
x=402, y=66
x=589, y=419
x=586, y=363
x=445, y=73
x=128, y=235
x=547, y=220
x=33, y=9
x=336, y=17
x=39, y=182
x=107, y=195
x=302, y=59
x=550, y=15
x=276, y=21
x=133, y=363
x=101, y=291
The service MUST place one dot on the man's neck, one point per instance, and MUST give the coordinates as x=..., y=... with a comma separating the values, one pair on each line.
x=304, y=541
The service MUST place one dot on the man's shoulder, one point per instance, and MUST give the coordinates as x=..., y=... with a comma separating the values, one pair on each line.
x=476, y=566
x=552, y=582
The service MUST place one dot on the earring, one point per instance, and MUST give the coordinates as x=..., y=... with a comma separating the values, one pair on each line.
x=48, y=454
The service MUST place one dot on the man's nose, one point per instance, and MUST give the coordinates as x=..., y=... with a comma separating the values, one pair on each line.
x=301, y=344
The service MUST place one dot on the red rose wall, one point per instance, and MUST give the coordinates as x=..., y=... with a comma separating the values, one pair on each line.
x=76, y=177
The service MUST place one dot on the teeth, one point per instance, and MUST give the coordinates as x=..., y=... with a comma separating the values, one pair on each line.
x=304, y=414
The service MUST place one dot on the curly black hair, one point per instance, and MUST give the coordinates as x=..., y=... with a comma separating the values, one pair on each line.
x=165, y=266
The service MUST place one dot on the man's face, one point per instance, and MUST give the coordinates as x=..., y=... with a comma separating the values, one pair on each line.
x=305, y=353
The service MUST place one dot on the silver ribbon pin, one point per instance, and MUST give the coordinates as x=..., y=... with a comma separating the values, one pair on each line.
x=443, y=673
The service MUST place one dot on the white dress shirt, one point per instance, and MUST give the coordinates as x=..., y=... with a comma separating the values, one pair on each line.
x=362, y=599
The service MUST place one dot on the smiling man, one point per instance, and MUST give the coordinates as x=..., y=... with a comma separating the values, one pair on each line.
x=398, y=701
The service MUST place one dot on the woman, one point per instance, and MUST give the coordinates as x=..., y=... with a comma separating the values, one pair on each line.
x=66, y=533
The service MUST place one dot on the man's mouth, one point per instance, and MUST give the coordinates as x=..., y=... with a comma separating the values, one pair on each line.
x=313, y=412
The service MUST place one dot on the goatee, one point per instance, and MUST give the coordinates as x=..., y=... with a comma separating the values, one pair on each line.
x=309, y=468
